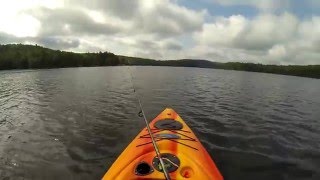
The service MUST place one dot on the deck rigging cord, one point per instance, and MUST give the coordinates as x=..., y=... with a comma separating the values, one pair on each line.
x=142, y=114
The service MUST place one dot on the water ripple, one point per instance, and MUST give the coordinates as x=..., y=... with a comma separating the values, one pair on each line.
x=73, y=123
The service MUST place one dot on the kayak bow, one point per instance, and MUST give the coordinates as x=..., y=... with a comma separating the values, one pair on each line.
x=183, y=155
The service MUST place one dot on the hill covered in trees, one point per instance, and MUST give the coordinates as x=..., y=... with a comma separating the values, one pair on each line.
x=312, y=71
x=18, y=56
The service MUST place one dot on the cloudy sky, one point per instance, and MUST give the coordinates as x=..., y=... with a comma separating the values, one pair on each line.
x=260, y=31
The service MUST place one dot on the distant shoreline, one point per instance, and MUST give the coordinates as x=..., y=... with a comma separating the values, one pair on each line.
x=19, y=57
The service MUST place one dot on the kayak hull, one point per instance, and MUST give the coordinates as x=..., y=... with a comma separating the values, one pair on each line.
x=191, y=160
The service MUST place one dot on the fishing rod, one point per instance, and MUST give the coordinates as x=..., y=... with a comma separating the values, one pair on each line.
x=165, y=172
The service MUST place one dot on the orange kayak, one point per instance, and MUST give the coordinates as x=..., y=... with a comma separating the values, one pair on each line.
x=183, y=155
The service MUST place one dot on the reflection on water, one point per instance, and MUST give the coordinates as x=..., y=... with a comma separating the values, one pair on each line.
x=73, y=123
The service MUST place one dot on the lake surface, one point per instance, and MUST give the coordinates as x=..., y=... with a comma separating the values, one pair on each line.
x=73, y=123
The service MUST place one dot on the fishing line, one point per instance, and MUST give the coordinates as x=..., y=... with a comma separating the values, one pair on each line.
x=142, y=114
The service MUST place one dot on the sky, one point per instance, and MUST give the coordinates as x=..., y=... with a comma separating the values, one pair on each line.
x=259, y=31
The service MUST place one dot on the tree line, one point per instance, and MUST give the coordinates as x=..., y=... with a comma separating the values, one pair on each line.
x=312, y=71
x=19, y=56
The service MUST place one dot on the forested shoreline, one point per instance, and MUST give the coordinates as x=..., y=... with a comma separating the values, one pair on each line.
x=19, y=56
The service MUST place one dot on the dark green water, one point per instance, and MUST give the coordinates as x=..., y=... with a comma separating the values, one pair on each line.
x=73, y=123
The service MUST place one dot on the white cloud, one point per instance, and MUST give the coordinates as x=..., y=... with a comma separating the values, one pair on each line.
x=164, y=29
x=266, y=30
x=223, y=31
x=20, y=25
x=14, y=22
x=262, y=32
x=267, y=37
x=160, y=17
x=277, y=51
x=264, y=5
x=165, y=18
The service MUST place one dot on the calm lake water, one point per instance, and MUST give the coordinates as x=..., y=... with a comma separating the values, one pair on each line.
x=73, y=123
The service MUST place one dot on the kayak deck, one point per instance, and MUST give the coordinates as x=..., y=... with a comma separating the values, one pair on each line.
x=183, y=154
